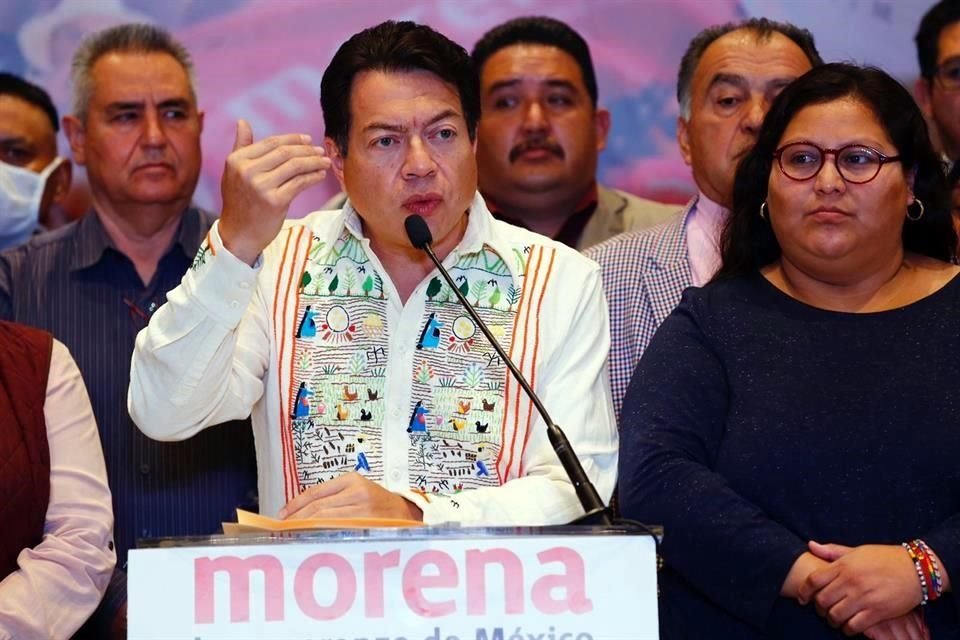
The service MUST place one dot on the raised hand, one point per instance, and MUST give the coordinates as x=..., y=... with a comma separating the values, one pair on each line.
x=350, y=496
x=260, y=180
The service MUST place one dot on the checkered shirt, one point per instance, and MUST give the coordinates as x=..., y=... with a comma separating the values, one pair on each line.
x=644, y=275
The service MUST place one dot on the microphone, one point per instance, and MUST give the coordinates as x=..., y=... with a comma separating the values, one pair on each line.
x=595, y=513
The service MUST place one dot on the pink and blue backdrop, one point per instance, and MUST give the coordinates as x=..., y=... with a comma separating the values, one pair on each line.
x=263, y=59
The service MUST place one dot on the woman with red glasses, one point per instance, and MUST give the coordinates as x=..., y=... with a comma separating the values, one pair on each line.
x=794, y=424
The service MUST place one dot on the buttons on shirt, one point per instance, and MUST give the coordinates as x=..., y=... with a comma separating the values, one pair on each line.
x=395, y=475
x=234, y=304
x=244, y=284
x=144, y=468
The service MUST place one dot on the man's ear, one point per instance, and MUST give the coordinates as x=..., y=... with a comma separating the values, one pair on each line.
x=59, y=181
x=76, y=136
x=337, y=160
x=601, y=125
x=683, y=141
x=921, y=91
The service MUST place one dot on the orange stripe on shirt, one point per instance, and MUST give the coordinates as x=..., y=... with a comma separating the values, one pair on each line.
x=536, y=351
x=280, y=335
x=293, y=288
x=535, y=258
x=510, y=382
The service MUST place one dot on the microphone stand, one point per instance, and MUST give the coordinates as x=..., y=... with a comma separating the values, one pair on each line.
x=594, y=510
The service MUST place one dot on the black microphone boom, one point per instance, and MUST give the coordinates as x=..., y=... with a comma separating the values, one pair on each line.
x=420, y=237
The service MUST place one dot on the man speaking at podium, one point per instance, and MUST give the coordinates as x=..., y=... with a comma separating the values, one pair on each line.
x=373, y=393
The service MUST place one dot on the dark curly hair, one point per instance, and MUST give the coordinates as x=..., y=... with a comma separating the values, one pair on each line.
x=748, y=242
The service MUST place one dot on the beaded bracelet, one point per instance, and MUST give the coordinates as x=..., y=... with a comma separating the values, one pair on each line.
x=928, y=570
x=933, y=570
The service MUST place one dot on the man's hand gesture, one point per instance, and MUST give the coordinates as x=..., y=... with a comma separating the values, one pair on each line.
x=260, y=180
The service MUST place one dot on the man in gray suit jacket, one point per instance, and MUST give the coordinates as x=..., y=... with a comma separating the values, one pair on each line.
x=541, y=133
x=728, y=77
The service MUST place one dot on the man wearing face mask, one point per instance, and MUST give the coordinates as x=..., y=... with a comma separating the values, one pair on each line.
x=32, y=176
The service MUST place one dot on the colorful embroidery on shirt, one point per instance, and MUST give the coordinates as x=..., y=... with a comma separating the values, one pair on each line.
x=455, y=429
x=463, y=415
x=201, y=258
x=340, y=355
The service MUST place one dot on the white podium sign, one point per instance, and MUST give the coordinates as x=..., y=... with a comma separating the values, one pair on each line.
x=504, y=587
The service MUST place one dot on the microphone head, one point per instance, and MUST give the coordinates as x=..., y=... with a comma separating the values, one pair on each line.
x=418, y=231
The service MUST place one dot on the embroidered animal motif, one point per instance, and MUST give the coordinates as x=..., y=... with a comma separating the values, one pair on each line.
x=362, y=463
x=342, y=412
x=481, y=466
x=430, y=336
x=488, y=406
x=308, y=324
x=301, y=406
x=365, y=415
x=418, y=420
x=372, y=395
x=463, y=407
x=348, y=395
x=482, y=428
x=458, y=424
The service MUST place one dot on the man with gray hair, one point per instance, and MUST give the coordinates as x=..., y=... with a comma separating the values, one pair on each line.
x=728, y=77
x=94, y=284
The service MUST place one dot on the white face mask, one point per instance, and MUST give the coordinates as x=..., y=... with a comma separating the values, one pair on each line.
x=21, y=192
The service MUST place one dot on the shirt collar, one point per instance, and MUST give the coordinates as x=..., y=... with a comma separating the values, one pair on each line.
x=482, y=231
x=710, y=209
x=572, y=228
x=92, y=239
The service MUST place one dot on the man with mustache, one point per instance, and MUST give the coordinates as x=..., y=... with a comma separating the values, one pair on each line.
x=728, y=77
x=135, y=128
x=540, y=135
x=335, y=328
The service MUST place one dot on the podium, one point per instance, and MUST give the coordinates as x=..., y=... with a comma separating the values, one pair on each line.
x=427, y=583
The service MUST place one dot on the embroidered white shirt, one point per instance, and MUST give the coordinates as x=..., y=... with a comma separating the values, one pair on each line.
x=341, y=376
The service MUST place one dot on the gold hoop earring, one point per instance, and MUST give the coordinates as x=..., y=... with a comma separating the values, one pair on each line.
x=763, y=212
x=919, y=215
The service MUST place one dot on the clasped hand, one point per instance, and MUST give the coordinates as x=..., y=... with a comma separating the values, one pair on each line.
x=869, y=589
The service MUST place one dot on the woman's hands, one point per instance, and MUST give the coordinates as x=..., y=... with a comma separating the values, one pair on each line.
x=870, y=589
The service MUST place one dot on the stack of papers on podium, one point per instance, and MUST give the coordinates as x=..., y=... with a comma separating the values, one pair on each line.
x=251, y=522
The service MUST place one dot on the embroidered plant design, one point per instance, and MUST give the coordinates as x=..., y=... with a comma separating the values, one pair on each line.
x=479, y=288
x=424, y=373
x=201, y=258
x=513, y=296
x=473, y=376
x=357, y=363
